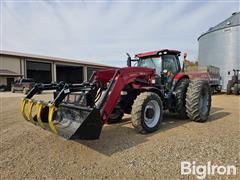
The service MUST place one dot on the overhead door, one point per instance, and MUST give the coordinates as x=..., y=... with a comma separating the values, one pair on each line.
x=69, y=74
x=39, y=71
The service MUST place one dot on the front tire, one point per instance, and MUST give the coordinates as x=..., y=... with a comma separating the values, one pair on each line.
x=198, y=100
x=147, y=112
x=116, y=116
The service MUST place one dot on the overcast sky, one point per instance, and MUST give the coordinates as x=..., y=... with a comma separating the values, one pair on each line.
x=104, y=31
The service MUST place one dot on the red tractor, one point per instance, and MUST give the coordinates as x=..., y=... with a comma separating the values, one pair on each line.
x=233, y=85
x=153, y=85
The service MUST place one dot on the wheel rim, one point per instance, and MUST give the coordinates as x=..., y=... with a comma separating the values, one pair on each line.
x=204, y=102
x=152, y=113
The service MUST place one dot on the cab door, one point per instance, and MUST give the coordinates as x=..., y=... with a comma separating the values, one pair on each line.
x=172, y=65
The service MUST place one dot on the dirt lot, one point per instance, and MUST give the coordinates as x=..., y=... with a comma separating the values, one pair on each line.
x=28, y=152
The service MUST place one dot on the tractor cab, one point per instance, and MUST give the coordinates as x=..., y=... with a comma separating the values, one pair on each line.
x=165, y=62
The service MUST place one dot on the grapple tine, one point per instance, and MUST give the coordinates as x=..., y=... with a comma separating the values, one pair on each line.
x=39, y=110
x=50, y=118
x=30, y=108
x=23, y=105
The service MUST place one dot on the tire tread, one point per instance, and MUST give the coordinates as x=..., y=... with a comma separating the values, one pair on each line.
x=192, y=100
x=181, y=91
x=137, y=109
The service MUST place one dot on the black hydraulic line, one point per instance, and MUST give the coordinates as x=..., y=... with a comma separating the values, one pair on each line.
x=98, y=96
x=101, y=104
x=91, y=78
x=70, y=88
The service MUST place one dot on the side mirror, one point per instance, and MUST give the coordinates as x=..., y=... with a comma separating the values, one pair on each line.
x=129, y=64
x=228, y=72
x=165, y=71
x=164, y=76
x=129, y=59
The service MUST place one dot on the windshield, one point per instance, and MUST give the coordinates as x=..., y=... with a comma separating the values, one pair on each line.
x=152, y=62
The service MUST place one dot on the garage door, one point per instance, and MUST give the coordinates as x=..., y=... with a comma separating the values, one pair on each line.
x=40, y=72
x=69, y=74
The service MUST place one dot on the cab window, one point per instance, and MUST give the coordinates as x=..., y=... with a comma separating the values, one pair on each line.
x=152, y=62
x=170, y=63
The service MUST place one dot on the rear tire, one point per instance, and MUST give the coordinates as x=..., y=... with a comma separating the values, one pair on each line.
x=12, y=90
x=212, y=90
x=116, y=116
x=198, y=100
x=229, y=87
x=218, y=89
x=236, y=89
x=25, y=91
x=147, y=112
x=40, y=92
x=181, y=91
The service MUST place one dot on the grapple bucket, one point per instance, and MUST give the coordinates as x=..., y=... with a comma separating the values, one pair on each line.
x=74, y=122
x=68, y=121
x=72, y=118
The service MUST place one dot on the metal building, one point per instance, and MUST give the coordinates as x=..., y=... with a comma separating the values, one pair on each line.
x=44, y=69
x=220, y=46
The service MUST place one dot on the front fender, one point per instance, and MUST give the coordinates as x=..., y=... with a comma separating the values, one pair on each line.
x=158, y=91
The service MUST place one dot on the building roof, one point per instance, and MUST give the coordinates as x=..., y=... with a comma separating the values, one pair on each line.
x=232, y=21
x=6, y=72
x=50, y=58
x=154, y=53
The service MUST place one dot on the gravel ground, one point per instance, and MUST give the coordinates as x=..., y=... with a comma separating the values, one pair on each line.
x=28, y=152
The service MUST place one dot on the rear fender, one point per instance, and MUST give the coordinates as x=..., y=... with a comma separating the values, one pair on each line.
x=177, y=78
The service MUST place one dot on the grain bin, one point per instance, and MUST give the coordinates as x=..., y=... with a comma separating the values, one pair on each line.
x=220, y=46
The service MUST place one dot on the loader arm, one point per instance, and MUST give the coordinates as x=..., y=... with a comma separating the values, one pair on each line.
x=138, y=76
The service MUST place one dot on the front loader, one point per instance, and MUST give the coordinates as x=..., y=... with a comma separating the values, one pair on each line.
x=155, y=84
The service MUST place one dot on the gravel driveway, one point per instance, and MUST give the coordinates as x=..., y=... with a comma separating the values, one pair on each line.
x=28, y=152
